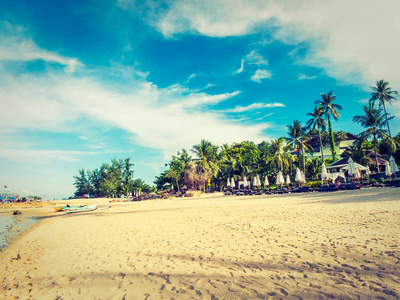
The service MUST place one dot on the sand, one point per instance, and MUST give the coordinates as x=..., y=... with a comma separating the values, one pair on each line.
x=342, y=245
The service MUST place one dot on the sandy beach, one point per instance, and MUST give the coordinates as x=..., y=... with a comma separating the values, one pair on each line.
x=341, y=245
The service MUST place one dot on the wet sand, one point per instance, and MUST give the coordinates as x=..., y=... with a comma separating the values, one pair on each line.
x=342, y=245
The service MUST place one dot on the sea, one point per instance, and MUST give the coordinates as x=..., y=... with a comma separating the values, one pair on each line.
x=12, y=226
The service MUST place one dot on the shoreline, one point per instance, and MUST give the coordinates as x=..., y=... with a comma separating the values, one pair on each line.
x=341, y=244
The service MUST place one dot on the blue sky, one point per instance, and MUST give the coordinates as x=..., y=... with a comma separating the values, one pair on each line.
x=83, y=82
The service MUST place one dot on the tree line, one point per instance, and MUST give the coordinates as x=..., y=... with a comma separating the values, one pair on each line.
x=208, y=163
x=216, y=164
x=110, y=180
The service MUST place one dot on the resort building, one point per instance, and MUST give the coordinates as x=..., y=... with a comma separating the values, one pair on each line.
x=340, y=148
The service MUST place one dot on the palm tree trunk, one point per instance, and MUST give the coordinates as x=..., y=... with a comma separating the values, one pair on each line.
x=298, y=157
x=304, y=158
x=387, y=122
x=332, y=140
x=320, y=144
x=376, y=154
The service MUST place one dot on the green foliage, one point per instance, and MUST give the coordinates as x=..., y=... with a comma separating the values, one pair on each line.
x=315, y=184
x=338, y=136
x=313, y=166
x=372, y=181
x=382, y=180
x=358, y=154
x=110, y=180
x=280, y=155
x=330, y=109
x=383, y=93
x=240, y=159
x=373, y=120
x=82, y=183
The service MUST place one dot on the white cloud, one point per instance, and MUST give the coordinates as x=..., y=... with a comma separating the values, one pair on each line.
x=261, y=74
x=253, y=58
x=15, y=45
x=254, y=106
x=305, y=77
x=256, y=58
x=240, y=70
x=191, y=77
x=355, y=42
x=213, y=18
x=166, y=119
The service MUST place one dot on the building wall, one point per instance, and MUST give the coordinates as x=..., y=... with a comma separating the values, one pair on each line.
x=327, y=150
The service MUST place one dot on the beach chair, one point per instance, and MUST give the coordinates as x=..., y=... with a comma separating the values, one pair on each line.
x=323, y=188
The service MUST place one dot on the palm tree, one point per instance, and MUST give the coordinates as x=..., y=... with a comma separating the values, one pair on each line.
x=329, y=108
x=297, y=138
x=383, y=93
x=317, y=121
x=373, y=120
x=280, y=156
x=206, y=154
x=358, y=154
x=295, y=133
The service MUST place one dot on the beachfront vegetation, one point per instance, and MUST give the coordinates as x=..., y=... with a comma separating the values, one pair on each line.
x=110, y=180
x=207, y=164
x=317, y=121
x=286, y=154
x=373, y=120
x=329, y=108
x=384, y=94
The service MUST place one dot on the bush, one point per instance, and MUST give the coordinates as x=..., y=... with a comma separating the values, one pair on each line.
x=315, y=184
x=382, y=180
x=372, y=181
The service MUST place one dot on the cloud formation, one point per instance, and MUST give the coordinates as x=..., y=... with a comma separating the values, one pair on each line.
x=261, y=74
x=161, y=118
x=342, y=38
x=254, y=106
x=16, y=46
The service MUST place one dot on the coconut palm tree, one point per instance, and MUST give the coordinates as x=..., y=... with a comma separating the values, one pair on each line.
x=329, y=108
x=280, y=156
x=206, y=154
x=295, y=133
x=358, y=154
x=297, y=138
x=317, y=121
x=373, y=120
x=384, y=94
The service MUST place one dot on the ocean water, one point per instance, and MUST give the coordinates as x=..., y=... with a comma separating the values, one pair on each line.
x=11, y=226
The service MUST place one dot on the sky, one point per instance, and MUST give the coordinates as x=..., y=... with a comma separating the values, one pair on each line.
x=84, y=82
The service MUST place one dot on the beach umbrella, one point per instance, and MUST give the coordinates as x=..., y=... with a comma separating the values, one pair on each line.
x=368, y=172
x=388, y=171
x=259, y=180
x=279, y=178
x=255, y=182
x=298, y=176
x=352, y=171
x=233, y=184
x=303, y=177
x=228, y=183
x=266, y=182
x=287, y=179
x=393, y=165
x=245, y=182
x=357, y=175
x=324, y=173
